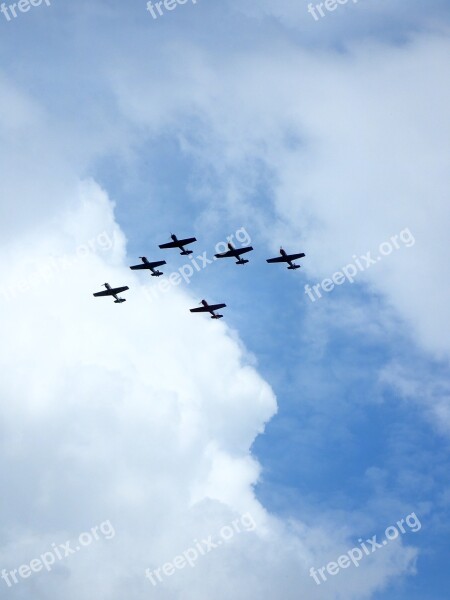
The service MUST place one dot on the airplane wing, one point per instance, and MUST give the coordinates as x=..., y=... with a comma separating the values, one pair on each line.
x=295, y=256
x=158, y=263
x=280, y=259
x=104, y=293
x=187, y=241
x=178, y=243
x=225, y=254
x=112, y=291
x=240, y=251
x=233, y=253
x=208, y=309
x=216, y=307
x=151, y=265
x=119, y=290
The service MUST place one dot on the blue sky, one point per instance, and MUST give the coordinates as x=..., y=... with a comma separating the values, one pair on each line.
x=328, y=420
x=336, y=421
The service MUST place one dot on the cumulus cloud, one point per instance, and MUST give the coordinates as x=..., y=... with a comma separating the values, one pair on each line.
x=140, y=415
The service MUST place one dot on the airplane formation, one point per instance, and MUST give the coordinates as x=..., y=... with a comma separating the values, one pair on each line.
x=232, y=252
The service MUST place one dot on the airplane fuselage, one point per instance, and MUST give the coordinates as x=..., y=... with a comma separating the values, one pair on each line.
x=117, y=300
x=183, y=252
x=114, y=292
x=155, y=272
x=213, y=313
x=291, y=264
x=239, y=260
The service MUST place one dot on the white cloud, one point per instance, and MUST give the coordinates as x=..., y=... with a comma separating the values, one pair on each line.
x=354, y=19
x=139, y=414
x=356, y=145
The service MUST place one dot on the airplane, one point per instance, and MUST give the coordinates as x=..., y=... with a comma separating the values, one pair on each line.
x=176, y=243
x=211, y=308
x=287, y=258
x=151, y=266
x=235, y=253
x=113, y=292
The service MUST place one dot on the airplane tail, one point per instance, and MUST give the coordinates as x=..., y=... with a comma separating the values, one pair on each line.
x=242, y=261
x=186, y=252
x=293, y=267
x=120, y=300
x=216, y=316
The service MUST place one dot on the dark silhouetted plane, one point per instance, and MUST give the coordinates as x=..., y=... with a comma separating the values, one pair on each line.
x=286, y=258
x=176, y=243
x=150, y=266
x=113, y=292
x=211, y=308
x=235, y=253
